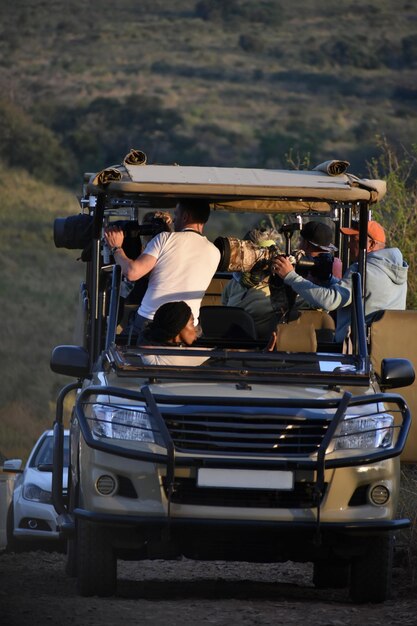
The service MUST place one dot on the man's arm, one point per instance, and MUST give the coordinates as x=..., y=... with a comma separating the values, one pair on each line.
x=328, y=298
x=133, y=269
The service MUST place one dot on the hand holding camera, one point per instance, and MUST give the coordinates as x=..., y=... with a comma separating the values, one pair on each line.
x=281, y=265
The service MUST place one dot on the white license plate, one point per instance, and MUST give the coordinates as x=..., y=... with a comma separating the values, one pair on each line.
x=245, y=479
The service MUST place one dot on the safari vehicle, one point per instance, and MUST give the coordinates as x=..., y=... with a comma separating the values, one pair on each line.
x=227, y=451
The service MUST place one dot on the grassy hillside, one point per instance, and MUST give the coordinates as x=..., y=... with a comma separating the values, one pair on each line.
x=38, y=287
x=208, y=82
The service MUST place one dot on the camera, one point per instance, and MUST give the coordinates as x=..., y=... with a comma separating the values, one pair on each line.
x=240, y=255
x=76, y=232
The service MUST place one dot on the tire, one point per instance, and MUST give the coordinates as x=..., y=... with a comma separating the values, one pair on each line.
x=71, y=558
x=71, y=551
x=331, y=574
x=371, y=573
x=11, y=545
x=96, y=562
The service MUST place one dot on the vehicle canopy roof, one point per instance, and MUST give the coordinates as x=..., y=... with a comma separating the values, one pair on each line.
x=237, y=189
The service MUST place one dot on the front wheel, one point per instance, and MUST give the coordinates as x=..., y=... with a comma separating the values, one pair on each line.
x=371, y=572
x=331, y=574
x=96, y=562
x=11, y=541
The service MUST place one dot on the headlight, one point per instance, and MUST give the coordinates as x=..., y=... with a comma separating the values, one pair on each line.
x=36, y=494
x=121, y=423
x=364, y=432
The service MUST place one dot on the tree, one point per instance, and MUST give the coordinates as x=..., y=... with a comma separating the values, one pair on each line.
x=397, y=211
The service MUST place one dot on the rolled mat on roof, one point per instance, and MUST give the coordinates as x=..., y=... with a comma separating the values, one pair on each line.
x=135, y=157
x=333, y=167
x=106, y=176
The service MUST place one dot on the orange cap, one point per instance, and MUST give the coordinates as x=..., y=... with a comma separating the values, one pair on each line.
x=375, y=231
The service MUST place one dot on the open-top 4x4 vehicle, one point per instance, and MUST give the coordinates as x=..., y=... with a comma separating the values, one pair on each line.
x=227, y=451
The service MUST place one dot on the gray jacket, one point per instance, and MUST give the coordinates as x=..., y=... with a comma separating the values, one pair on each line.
x=385, y=288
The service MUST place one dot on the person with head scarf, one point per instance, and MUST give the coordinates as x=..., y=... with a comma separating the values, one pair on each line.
x=251, y=291
x=172, y=327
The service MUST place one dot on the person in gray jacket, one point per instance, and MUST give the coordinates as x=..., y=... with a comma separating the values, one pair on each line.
x=385, y=286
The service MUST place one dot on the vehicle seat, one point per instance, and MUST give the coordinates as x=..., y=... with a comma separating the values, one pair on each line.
x=229, y=322
x=215, y=289
x=393, y=334
x=296, y=337
x=322, y=322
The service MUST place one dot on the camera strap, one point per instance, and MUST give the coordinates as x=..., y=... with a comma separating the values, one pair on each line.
x=191, y=230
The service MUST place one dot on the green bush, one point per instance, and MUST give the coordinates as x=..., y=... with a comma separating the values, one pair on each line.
x=251, y=43
x=397, y=210
x=409, y=50
x=262, y=12
x=33, y=147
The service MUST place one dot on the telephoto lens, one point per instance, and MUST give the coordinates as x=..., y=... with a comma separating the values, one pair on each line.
x=241, y=255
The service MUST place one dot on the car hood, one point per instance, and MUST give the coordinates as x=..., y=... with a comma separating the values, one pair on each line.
x=43, y=479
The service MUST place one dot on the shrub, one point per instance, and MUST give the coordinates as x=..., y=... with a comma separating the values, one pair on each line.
x=397, y=210
x=409, y=50
x=32, y=146
x=250, y=43
x=262, y=12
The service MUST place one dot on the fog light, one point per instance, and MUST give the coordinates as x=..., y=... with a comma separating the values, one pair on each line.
x=379, y=495
x=106, y=485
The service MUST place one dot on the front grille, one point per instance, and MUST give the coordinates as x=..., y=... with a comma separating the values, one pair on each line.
x=246, y=433
x=187, y=492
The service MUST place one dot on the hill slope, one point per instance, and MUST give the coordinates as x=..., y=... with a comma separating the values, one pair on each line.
x=38, y=290
x=208, y=82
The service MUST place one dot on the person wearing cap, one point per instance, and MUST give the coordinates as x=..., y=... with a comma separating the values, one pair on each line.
x=385, y=283
x=251, y=291
x=316, y=238
x=181, y=263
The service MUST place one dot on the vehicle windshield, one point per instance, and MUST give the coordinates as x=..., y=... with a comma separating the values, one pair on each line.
x=252, y=365
x=44, y=453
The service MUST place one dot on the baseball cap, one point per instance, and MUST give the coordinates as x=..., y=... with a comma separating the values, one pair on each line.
x=375, y=231
x=319, y=235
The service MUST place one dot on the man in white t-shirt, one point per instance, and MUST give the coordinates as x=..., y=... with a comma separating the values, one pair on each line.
x=181, y=263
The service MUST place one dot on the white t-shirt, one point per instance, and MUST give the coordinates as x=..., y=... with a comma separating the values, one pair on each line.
x=186, y=263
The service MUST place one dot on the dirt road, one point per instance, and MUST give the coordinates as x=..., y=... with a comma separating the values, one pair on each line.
x=34, y=590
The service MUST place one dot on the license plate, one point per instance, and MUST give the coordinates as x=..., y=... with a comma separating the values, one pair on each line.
x=245, y=479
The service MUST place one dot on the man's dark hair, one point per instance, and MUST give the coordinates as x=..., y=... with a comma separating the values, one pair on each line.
x=198, y=209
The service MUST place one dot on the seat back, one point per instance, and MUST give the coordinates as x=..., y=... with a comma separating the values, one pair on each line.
x=229, y=322
x=296, y=337
x=319, y=319
x=394, y=335
x=215, y=289
x=322, y=322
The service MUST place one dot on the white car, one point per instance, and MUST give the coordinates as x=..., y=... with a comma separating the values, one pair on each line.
x=31, y=516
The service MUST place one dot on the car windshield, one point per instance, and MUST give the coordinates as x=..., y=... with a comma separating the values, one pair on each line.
x=44, y=453
x=220, y=364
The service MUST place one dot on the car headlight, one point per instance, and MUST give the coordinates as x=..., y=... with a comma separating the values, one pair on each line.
x=36, y=494
x=364, y=432
x=121, y=423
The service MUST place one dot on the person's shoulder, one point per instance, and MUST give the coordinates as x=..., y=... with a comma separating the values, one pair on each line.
x=155, y=245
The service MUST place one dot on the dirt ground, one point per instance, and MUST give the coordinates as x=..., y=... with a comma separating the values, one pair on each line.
x=35, y=590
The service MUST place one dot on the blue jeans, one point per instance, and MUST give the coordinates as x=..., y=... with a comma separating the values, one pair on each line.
x=138, y=326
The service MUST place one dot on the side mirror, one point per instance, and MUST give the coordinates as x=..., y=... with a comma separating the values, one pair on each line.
x=396, y=373
x=71, y=361
x=13, y=466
